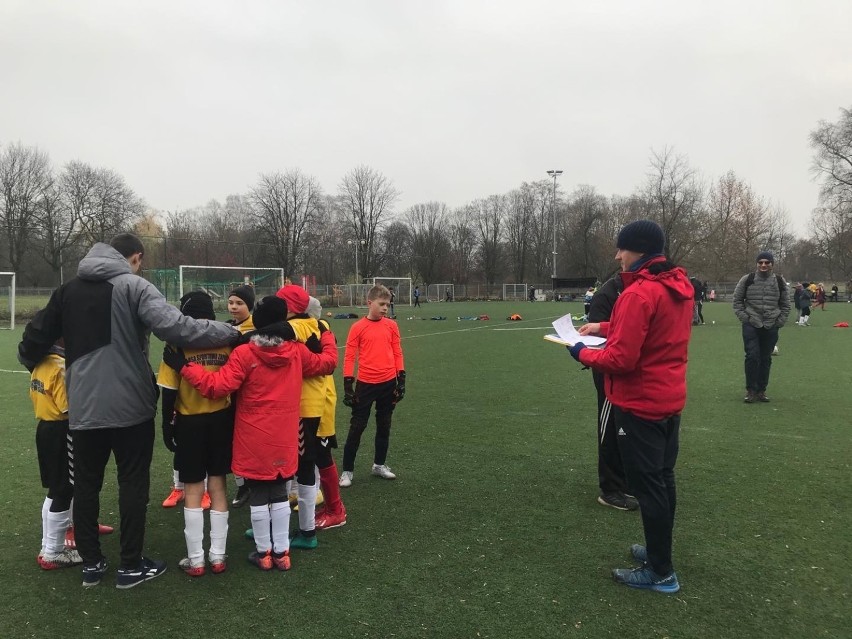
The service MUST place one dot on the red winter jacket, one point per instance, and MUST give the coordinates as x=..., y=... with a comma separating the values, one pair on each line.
x=644, y=360
x=268, y=374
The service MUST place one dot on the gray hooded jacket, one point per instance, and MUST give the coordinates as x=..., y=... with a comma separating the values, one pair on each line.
x=105, y=316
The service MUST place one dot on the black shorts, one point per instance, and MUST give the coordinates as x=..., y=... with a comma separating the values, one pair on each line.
x=204, y=445
x=55, y=454
x=806, y=311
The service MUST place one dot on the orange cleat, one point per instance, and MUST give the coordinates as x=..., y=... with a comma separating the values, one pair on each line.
x=218, y=566
x=191, y=569
x=174, y=498
x=330, y=520
x=282, y=560
x=205, y=500
x=262, y=560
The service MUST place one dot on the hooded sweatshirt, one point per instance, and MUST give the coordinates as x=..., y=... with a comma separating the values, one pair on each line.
x=644, y=360
x=105, y=315
x=268, y=373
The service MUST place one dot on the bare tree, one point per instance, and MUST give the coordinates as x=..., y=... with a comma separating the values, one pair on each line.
x=489, y=216
x=110, y=206
x=589, y=245
x=832, y=163
x=285, y=204
x=674, y=198
x=520, y=229
x=24, y=176
x=367, y=197
x=429, y=243
x=462, y=238
x=58, y=227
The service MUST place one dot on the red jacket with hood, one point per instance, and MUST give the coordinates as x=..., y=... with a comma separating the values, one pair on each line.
x=644, y=360
x=268, y=373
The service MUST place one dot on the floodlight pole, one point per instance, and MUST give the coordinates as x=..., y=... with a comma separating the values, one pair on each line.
x=356, y=243
x=554, y=174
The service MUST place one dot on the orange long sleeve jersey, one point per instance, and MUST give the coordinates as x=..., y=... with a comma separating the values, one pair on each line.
x=377, y=347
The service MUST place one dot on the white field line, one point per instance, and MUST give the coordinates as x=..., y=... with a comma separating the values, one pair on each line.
x=3, y=370
x=485, y=325
x=526, y=328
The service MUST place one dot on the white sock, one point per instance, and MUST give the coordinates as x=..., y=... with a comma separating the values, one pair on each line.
x=57, y=525
x=307, y=507
x=45, y=508
x=280, y=514
x=193, y=519
x=218, y=533
x=260, y=521
x=177, y=481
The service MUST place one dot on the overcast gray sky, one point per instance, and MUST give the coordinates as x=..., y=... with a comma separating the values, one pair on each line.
x=451, y=100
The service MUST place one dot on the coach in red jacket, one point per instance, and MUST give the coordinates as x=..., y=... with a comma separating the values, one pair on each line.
x=644, y=366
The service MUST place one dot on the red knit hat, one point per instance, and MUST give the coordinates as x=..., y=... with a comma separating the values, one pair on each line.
x=295, y=296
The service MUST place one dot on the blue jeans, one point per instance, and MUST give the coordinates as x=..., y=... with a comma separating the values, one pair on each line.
x=758, y=344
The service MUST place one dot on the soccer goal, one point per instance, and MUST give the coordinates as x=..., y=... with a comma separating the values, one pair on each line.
x=218, y=281
x=402, y=288
x=7, y=299
x=515, y=292
x=440, y=292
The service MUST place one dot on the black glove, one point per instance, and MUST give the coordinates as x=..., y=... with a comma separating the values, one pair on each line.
x=169, y=433
x=174, y=358
x=313, y=344
x=399, y=391
x=349, y=391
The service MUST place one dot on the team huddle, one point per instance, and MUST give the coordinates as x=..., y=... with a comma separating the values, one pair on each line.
x=254, y=397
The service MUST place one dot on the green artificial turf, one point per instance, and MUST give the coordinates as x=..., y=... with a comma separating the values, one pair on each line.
x=492, y=528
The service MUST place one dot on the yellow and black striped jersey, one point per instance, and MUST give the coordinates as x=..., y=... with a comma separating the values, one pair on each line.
x=189, y=401
x=47, y=389
x=313, y=388
x=246, y=326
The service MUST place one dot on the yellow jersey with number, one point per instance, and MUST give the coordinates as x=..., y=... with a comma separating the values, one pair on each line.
x=189, y=401
x=47, y=389
x=313, y=388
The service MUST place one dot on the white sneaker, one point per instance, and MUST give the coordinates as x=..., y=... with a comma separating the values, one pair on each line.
x=383, y=471
x=345, y=479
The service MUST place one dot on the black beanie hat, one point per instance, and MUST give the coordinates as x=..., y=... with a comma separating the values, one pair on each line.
x=765, y=255
x=245, y=293
x=197, y=304
x=642, y=236
x=269, y=310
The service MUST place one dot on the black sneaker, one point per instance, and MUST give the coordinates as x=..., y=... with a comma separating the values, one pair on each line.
x=93, y=573
x=619, y=501
x=241, y=497
x=148, y=569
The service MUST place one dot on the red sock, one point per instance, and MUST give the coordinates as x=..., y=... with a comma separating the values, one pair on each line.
x=330, y=488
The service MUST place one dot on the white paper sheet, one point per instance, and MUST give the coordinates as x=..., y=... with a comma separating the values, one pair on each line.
x=568, y=334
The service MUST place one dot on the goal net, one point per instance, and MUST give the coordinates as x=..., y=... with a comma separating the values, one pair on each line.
x=7, y=300
x=218, y=281
x=515, y=292
x=441, y=293
x=402, y=289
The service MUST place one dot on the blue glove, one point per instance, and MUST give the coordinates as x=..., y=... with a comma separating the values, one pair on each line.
x=575, y=350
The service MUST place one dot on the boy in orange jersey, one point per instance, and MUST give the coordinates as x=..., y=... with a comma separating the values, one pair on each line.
x=374, y=342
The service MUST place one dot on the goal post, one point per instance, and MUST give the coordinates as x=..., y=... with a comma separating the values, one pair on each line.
x=515, y=292
x=7, y=294
x=402, y=288
x=441, y=293
x=218, y=281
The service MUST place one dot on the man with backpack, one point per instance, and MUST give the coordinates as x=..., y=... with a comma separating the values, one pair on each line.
x=762, y=304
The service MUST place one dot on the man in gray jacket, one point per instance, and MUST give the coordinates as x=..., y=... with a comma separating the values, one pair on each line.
x=105, y=315
x=762, y=304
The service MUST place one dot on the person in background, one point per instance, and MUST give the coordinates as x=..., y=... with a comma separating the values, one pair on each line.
x=417, y=296
x=761, y=302
x=804, y=305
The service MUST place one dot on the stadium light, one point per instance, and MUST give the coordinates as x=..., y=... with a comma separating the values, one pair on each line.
x=554, y=174
x=356, y=243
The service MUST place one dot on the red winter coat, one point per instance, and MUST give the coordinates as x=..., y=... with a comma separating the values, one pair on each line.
x=644, y=360
x=268, y=374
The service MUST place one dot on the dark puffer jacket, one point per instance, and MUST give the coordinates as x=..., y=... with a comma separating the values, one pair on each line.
x=762, y=304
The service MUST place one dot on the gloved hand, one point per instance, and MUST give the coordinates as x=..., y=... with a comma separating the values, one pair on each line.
x=174, y=358
x=169, y=433
x=349, y=391
x=399, y=391
x=575, y=350
x=313, y=344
